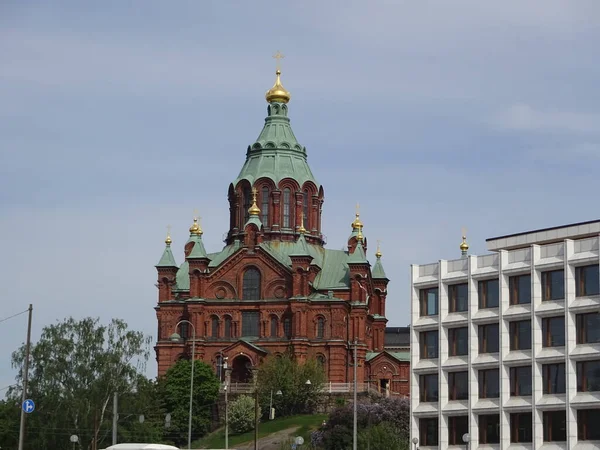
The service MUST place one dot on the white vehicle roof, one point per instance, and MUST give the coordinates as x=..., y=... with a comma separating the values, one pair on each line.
x=141, y=447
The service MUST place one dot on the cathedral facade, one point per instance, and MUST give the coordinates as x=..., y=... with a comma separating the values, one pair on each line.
x=274, y=287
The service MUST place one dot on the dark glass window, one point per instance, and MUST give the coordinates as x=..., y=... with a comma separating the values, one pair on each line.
x=457, y=427
x=554, y=378
x=553, y=285
x=587, y=280
x=588, y=376
x=587, y=424
x=429, y=301
x=588, y=328
x=429, y=344
x=489, y=383
x=183, y=329
x=520, y=381
x=321, y=359
x=227, y=327
x=489, y=338
x=553, y=331
x=247, y=193
x=250, y=323
x=274, y=323
x=428, y=432
x=458, y=341
x=287, y=327
x=488, y=294
x=305, y=216
x=214, y=327
x=320, y=328
x=489, y=429
x=555, y=426
x=251, y=286
x=520, y=335
x=520, y=289
x=264, y=206
x=286, y=208
x=458, y=385
x=458, y=297
x=428, y=386
x=520, y=427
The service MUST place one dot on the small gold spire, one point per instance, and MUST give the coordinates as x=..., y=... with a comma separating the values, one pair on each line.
x=378, y=252
x=278, y=93
x=357, y=223
x=463, y=245
x=254, y=210
x=168, y=240
x=302, y=229
x=195, y=228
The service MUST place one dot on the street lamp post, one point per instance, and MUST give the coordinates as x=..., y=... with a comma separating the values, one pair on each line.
x=415, y=441
x=176, y=337
x=355, y=412
x=226, y=389
x=271, y=412
x=466, y=438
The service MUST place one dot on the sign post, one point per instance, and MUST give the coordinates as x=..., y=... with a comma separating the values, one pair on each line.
x=28, y=406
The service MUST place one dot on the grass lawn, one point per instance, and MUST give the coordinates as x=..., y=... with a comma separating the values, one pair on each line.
x=306, y=423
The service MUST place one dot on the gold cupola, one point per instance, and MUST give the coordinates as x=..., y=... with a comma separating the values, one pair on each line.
x=464, y=247
x=254, y=210
x=168, y=240
x=278, y=93
x=195, y=228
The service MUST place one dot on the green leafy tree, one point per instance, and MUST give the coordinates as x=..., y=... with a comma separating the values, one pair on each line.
x=242, y=414
x=75, y=368
x=284, y=373
x=382, y=435
x=175, y=393
x=9, y=423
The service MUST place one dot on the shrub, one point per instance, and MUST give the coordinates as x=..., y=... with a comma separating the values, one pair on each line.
x=241, y=414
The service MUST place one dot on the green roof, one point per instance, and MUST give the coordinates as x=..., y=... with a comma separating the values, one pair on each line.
x=378, y=271
x=198, y=251
x=358, y=256
x=255, y=220
x=167, y=259
x=400, y=356
x=301, y=248
x=276, y=154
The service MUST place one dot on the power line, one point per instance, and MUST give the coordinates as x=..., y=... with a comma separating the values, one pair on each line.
x=14, y=315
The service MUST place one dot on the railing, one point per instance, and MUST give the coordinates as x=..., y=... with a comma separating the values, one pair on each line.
x=247, y=388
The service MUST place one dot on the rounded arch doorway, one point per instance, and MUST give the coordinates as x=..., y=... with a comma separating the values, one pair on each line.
x=241, y=369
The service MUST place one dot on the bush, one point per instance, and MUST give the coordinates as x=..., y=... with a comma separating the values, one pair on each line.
x=241, y=414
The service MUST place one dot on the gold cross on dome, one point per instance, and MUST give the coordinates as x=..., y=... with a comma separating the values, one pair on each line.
x=278, y=56
x=254, y=191
x=196, y=212
x=357, y=209
x=168, y=229
x=463, y=230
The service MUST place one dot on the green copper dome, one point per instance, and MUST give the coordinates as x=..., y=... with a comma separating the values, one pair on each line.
x=276, y=154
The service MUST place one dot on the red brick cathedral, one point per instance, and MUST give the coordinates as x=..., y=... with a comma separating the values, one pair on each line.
x=274, y=287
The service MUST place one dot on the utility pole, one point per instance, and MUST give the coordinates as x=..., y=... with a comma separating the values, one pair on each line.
x=25, y=380
x=115, y=419
x=256, y=418
x=226, y=416
x=355, y=420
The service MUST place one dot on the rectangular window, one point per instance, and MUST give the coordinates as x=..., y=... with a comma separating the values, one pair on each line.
x=520, y=381
x=553, y=331
x=520, y=289
x=489, y=383
x=520, y=427
x=553, y=285
x=587, y=425
x=489, y=338
x=489, y=294
x=250, y=323
x=429, y=344
x=588, y=328
x=587, y=280
x=457, y=427
x=554, y=378
x=489, y=429
x=555, y=426
x=428, y=385
x=458, y=341
x=428, y=432
x=458, y=297
x=458, y=385
x=429, y=301
x=264, y=206
x=520, y=335
x=286, y=208
x=588, y=376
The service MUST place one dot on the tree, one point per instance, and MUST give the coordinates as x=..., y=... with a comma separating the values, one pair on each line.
x=175, y=393
x=75, y=369
x=242, y=414
x=9, y=423
x=284, y=373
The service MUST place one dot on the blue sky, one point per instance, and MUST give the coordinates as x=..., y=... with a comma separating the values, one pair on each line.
x=118, y=118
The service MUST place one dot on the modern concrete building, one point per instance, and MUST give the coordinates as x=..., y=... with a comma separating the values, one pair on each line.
x=505, y=347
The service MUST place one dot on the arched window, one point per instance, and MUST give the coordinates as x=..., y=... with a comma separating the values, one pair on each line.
x=274, y=326
x=321, y=359
x=305, y=210
x=183, y=330
x=286, y=208
x=287, y=327
x=264, y=208
x=214, y=327
x=227, y=328
x=320, y=328
x=247, y=193
x=251, y=285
